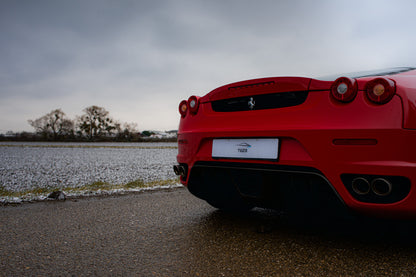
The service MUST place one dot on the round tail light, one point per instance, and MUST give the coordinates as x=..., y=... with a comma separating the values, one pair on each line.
x=183, y=108
x=193, y=103
x=380, y=90
x=344, y=89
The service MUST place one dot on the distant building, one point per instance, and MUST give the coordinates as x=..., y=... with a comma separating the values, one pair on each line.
x=164, y=135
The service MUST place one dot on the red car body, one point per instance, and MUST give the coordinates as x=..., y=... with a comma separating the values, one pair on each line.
x=350, y=141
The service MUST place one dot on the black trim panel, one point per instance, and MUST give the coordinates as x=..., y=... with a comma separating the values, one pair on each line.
x=260, y=102
x=264, y=185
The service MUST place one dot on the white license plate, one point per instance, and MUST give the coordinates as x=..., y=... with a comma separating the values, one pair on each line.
x=261, y=148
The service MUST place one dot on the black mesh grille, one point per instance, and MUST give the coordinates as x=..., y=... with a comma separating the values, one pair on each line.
x=260, y=102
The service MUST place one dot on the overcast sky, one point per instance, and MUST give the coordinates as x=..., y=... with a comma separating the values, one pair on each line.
x=139, y=59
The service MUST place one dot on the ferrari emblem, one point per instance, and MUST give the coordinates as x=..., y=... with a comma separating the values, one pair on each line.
x=251, y=103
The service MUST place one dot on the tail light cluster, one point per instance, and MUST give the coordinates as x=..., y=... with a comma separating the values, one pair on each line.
x=192, y=105
x=379, y=91
x=344, y=89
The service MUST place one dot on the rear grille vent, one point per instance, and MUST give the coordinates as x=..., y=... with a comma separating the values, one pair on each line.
x=252, y=85
x=260, y=102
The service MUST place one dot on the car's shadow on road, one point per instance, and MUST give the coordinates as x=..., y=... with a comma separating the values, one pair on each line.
x=277, y=244
x=348, y=228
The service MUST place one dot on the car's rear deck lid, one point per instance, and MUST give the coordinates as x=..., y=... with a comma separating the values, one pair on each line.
x=257, y=87
x=259, y=94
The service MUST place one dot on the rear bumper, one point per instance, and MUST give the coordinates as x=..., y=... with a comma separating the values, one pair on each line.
x=393, y=155
x=313, y=135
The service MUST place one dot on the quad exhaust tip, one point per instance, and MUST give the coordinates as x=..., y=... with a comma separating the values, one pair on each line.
x=361, y=186
x=377, y=189
x=379, y=186
x=180, y=170
x=176, y=169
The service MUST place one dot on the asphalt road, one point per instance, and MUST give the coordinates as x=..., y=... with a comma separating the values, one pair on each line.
x=171, y=233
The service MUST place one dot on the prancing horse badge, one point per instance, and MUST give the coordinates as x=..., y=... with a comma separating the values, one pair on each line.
x=251, y=103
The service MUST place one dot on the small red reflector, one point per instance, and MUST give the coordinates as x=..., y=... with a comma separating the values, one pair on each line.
x=183, y=141
x=354, y=142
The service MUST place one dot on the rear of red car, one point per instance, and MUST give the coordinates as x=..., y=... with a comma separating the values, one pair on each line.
x=288, y=142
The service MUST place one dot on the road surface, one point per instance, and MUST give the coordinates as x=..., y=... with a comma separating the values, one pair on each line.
x=171, y=233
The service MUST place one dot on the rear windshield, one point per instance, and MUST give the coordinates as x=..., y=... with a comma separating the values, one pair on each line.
x=369, y=73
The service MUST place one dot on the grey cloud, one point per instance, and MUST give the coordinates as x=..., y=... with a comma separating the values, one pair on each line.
x=137, y=56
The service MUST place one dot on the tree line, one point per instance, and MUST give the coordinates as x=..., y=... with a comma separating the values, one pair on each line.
x=95, y=124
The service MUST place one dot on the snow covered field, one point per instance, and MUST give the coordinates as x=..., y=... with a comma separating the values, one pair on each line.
x=25, y=166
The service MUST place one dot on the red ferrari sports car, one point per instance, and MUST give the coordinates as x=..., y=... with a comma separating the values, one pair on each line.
x=292, y=143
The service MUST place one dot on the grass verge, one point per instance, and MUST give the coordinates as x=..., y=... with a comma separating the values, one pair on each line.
x=87, y=146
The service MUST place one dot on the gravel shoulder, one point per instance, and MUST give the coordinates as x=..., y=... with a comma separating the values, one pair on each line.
x=26, y=167
x=172, y=233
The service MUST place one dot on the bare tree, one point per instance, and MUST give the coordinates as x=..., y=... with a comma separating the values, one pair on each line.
x=127, y=131
x=96, y=122
x=53, y=124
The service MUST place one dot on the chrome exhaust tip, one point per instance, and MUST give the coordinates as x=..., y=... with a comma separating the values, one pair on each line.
x=176, y=170
x=360, y=186
x=381, y=187
x=180, y=170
